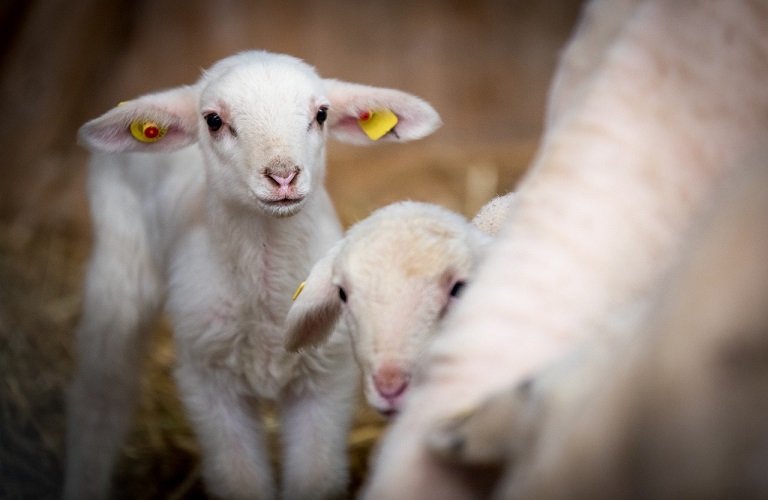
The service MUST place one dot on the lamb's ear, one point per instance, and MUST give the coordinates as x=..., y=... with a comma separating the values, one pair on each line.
x=163, y=121
x=316, y=306
x=392, y=115
x=493, y=215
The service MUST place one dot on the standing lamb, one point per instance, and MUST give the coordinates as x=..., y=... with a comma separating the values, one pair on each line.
x=654, y=103
x=392, y=279
x=208, y=202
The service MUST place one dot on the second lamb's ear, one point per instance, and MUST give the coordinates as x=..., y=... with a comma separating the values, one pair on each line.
x=163, y=121
x=316, y=306
x=351, y=102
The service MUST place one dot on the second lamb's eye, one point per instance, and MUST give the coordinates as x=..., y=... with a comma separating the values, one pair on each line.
x=214, y=121
x=322, y=114
x=458, y=287
x=342, y=295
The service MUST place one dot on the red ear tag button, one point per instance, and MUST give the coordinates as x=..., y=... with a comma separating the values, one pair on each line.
x=151, y=131
x=147, y=131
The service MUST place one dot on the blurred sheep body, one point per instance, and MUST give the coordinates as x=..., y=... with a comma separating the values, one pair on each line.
x=391, y=281
x=653, y=104
x=677, y=409
x=214, y=221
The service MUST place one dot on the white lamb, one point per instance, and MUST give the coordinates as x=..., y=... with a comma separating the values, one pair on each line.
x=392, y=279
x=208, y=201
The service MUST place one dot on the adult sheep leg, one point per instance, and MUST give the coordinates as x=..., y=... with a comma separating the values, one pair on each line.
x=676, y=101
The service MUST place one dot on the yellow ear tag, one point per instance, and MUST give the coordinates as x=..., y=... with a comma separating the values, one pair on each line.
x=147, y=131
x=376, y=124
x=298, y=290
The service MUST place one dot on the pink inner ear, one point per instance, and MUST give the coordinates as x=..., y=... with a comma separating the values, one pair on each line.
x=348, y=125
x=347, y=121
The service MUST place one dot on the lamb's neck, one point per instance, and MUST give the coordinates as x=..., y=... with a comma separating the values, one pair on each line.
x=243, y=236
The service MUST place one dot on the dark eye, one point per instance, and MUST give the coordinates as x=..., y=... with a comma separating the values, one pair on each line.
x=322, y=114
x=342, y=295
x=457, y=288
x=214, y=121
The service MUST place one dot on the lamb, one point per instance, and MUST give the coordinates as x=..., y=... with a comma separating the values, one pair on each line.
x=392, y=280
x=208, y=202
x=654, y=104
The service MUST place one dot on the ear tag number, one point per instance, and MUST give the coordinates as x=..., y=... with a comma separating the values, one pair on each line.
x=298, y=290
x=376, y=124
x=147, y=131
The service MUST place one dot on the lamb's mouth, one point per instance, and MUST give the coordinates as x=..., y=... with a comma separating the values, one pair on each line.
x=388, y=413
x=282, y=206
x=284, y=202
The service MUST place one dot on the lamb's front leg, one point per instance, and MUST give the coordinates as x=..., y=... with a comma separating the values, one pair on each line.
x=230, y=432
x=316, y=414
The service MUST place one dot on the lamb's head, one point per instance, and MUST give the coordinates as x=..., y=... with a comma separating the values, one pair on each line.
x=263, y=134
x=391, y=280
x=261, y=121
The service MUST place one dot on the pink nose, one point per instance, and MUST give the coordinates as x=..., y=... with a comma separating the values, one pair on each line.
x=390, y=381
x=283, y=181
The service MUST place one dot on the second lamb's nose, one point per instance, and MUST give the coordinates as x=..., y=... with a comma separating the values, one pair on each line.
x=390, y=381
x=283, y=182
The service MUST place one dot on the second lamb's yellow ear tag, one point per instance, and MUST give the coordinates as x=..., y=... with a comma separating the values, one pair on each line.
x=147, y=131
x=376, y=124
x=298, y=290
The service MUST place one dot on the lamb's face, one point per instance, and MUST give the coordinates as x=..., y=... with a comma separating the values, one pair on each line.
x=262, y=130
x=398, y=277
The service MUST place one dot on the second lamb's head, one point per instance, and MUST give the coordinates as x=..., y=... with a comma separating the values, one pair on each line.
x=391, y=279
x=261, y=121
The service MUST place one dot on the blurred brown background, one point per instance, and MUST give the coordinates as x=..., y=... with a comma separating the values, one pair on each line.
x=485, y=66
